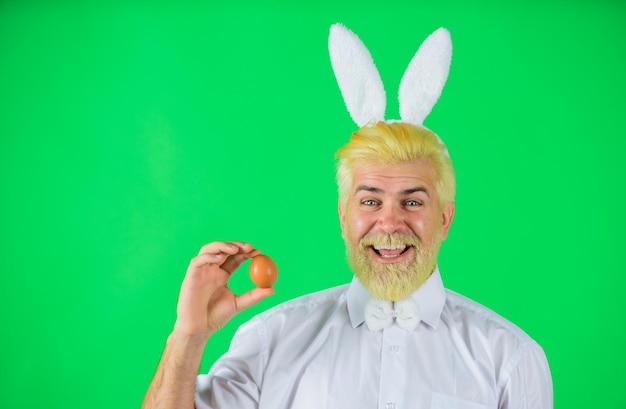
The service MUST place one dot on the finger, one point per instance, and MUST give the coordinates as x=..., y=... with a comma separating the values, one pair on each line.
x=233, y=262
x=220, y=247
x=200, y=269
x=252, y=297
x=207, y=259
x=243, y=246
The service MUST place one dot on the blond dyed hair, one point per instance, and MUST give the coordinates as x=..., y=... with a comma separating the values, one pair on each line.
x=394, y=143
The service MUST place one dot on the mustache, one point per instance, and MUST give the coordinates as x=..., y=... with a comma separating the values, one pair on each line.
x=389, y=240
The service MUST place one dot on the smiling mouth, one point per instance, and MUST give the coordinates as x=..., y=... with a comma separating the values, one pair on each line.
x=390, y=252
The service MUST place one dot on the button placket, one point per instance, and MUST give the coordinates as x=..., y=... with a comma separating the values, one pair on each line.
x=392, y=389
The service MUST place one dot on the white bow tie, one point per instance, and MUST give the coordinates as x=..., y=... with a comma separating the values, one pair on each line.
x=380, y=314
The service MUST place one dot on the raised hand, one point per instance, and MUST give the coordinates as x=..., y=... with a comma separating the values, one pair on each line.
x=205, y=302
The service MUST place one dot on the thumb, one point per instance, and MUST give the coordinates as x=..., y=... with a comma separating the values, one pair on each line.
x=252, y=297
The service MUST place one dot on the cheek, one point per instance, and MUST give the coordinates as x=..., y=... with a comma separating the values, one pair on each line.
x=357, y=225
x=421, y=226
x=427, y=227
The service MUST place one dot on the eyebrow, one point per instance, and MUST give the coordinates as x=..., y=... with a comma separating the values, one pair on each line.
x=405, y=192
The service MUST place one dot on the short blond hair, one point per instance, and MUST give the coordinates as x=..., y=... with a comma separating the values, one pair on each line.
x=393, y=143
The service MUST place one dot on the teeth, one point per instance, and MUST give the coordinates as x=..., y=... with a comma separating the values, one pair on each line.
x=390, y=248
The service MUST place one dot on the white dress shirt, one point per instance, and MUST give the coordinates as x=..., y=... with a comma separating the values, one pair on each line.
x=315, y=352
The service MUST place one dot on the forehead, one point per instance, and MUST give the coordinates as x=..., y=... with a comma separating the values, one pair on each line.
x=418, y=172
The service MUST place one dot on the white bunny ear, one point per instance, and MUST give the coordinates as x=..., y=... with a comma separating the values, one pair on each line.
x=425, y=77
x=359, y=80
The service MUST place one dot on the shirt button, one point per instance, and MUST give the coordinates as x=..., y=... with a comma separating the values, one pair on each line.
x=392, y=349
x=390, y=405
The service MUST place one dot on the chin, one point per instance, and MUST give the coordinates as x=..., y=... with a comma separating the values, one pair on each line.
x=390, y=291
x=388, y=279
x=393, y=282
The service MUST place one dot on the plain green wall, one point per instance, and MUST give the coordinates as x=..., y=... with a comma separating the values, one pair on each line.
x=132, y=133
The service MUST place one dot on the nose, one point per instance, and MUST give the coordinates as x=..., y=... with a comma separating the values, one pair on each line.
x=390, y=219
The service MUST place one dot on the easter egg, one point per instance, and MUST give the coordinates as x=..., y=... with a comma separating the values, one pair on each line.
x=263, y=271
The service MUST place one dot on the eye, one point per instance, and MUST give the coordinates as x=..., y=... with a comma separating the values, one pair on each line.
x=412, y=203
x=369, y=202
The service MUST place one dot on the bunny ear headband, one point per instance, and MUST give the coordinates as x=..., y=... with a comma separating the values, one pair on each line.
x=361, y=86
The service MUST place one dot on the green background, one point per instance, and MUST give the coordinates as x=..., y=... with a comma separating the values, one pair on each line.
x=132, y=133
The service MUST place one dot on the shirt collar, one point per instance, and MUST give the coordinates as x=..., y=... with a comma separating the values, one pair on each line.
x=430, y=297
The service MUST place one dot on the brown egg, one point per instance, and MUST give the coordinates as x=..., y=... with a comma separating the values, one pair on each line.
x=263, y=271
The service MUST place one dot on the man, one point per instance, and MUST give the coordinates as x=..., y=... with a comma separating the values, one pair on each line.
x=393, y=338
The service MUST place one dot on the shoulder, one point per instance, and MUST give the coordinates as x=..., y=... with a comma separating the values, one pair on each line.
x=489, y=338
x=496, y=344
x=464, y=311
x=512, y=361
x=313, y=303
x=304, y=313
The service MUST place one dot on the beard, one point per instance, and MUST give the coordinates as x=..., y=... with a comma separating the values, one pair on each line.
x=393, y=281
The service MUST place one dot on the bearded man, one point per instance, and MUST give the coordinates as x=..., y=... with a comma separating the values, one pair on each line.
x=393, y=338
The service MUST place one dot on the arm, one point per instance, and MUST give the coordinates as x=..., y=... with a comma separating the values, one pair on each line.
x=205, y=304
x=529, y=385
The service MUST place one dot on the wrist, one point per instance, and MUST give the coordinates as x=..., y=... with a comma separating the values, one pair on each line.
x=190, y=334
x=185, y=350
x=187, y=341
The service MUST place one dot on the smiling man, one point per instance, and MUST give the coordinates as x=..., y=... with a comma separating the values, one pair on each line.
x=397, y=189
x=394, y=337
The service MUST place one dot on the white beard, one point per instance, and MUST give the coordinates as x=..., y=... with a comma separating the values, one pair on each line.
x=393, y=281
